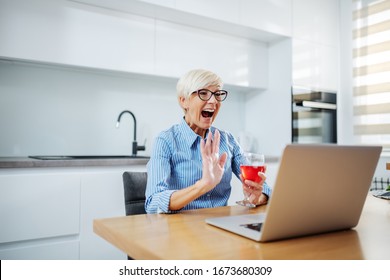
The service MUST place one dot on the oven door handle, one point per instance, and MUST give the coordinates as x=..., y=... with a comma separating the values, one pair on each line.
x=318, y=105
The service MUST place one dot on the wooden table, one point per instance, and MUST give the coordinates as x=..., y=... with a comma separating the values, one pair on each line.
x=187, y=236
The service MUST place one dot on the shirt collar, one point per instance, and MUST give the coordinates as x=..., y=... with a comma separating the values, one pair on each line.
x=189, y=136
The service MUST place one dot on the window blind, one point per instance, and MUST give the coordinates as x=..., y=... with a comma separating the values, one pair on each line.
x=371, y=72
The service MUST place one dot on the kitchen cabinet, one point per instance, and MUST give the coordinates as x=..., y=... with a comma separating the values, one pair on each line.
x=240, y=61
x=273, y=16
x=265, y=21
x=39, y=214
x=36, y=201
x=315, y=65
x=101, y=197
x=47, y=213
x=316, y=44
x=74, y=36
x=250, y=13
x=56, y=249
x=137, y=37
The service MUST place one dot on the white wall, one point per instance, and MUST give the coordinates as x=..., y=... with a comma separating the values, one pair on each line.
x=345, y=116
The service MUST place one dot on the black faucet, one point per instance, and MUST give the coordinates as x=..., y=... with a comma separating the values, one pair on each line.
x=135, y=145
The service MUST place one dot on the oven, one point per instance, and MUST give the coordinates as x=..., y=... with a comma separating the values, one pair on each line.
x=314, y=116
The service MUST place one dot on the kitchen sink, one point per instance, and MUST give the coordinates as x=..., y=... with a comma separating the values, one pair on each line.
x=87, y=157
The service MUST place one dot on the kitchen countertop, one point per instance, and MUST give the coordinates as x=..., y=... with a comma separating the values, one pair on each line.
x=26, y=162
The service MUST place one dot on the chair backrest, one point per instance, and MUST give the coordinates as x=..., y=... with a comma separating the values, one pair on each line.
x=134, y=184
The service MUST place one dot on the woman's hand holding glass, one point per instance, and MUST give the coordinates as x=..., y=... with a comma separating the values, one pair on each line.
x=253, y=176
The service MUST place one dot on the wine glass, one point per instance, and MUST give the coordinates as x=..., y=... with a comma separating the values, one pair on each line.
x=250, y=167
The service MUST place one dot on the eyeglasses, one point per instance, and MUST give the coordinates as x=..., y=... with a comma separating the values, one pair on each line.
x=205, y=94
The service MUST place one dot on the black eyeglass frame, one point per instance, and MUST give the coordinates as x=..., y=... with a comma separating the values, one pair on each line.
x=217, y=94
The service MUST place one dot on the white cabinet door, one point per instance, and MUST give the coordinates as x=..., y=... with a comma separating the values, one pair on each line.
x=39, y=215
x=316, y=21
x=39, y=205
x=316, y=44
x=165, y=3
x=239, y=61
x=273, y=16
x=85, y=35
x=49, y=213
x=48, y=250
x=102, y=196
x=315, y=65
x=76, y=34
x=225, y=10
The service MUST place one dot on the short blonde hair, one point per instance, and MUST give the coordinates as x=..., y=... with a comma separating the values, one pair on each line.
x=197, y=79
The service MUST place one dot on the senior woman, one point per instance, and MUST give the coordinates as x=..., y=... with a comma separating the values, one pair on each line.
x=192, y=162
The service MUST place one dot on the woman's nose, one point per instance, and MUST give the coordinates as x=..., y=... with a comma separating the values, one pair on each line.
x=213, y=99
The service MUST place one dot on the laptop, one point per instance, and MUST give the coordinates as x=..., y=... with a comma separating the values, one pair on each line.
x=319, y=188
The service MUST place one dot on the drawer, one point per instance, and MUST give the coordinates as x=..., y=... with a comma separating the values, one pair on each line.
x=68, y=250
x=39, y=205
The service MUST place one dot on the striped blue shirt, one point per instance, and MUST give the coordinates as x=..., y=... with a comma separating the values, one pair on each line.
x=176, y=163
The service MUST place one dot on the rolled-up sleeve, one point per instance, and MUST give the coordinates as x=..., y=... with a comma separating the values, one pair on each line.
x=158, y=194
x=267, y=189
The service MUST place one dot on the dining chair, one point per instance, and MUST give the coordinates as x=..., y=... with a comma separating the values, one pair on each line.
x=134, y=184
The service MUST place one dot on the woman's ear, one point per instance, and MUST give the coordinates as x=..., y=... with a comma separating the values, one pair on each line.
x=183, y=103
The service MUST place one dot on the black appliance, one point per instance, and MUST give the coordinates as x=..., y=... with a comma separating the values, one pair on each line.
x=314, y=116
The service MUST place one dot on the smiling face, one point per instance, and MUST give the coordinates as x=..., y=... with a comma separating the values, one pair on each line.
x=200, y=114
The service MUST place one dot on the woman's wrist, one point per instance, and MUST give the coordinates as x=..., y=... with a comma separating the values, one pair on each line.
x=263, y=199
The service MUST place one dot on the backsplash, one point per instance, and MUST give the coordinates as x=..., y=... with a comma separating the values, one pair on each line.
x=51, y=110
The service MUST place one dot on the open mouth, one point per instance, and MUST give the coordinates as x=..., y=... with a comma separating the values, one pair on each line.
x=207, y=113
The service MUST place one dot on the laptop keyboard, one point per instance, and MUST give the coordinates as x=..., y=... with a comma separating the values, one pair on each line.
x=254, y=226
x=385, y=195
